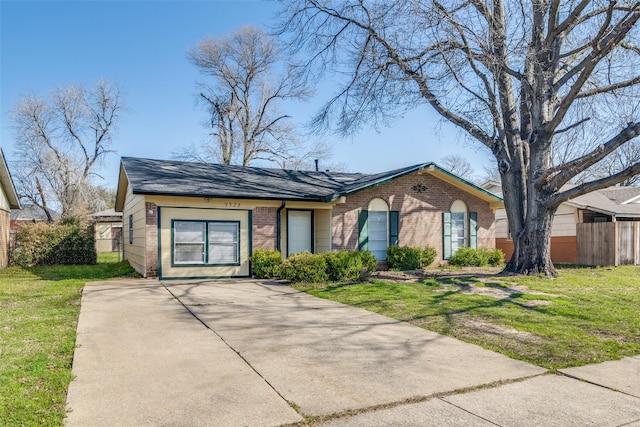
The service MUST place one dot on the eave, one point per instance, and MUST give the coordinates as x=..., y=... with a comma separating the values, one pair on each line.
x=7, y=183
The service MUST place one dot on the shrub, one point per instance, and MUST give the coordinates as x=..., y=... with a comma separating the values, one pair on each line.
x=481, y=257
x=266, y=263
x=369, y=263
x=496, y=257
x=403, y=258
x=340, y=266
x=427, y=256
x=54, y=243
x=305, y=267
x=469, y=257
x=406, y=258
x=344, y=266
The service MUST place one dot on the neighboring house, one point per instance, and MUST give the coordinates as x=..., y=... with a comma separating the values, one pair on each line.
x=607, y=205
x=197, y=220
x=26, y=214
x=108, y=230
x=8, y=200
x=29, y=214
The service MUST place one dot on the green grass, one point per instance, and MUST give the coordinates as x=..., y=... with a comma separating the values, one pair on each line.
x=39, y=309
x=109, y=257
x=584, y=316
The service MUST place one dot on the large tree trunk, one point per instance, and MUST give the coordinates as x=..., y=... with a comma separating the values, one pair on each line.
x=530, y=227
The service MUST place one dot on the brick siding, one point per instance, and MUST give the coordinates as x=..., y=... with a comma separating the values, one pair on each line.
x=420, y=212
x=151, y=232
x=264, y=228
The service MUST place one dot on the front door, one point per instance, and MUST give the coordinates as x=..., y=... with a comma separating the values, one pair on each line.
x=299, y=231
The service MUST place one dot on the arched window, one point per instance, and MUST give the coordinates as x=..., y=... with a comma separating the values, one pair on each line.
x=378, y=227
x=378, y=224
x=459, y=228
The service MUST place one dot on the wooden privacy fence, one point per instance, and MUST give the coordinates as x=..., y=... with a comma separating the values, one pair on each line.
x=609, y=243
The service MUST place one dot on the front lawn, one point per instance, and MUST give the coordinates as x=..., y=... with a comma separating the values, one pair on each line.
x=584, y=316
x=39, y=309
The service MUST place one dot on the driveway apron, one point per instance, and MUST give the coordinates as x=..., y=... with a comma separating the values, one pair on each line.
x=328, y=358
x=143, y=359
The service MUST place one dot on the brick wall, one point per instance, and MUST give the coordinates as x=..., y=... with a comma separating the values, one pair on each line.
x=420, y=212
x=264, y=228
x=151, y=233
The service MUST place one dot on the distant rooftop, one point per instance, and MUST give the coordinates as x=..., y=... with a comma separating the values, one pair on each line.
x=618, y=201
x=31, y=213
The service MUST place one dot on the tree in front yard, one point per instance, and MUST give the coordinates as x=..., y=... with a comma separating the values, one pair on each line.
x=520, y=77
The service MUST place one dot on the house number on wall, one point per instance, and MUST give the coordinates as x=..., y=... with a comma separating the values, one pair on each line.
x=231, y=204
x=419, y=188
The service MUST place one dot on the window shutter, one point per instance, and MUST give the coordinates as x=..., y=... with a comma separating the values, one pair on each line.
x=473, y=230
x=394, y=227
x=446, y=234
x=363, y=232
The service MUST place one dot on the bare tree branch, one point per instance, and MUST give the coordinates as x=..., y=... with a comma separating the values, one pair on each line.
x=563, y=173
x=599, y=184
x=59, y=142
x=249, y=80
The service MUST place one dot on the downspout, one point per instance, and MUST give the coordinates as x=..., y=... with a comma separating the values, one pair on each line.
x=279, y=226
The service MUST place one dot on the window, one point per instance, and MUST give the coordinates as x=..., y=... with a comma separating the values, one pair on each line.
x=459, y=228
x=206, y=242
x=224, y=242
x=377, y=228
x=378, y=234
x=188, y=238
x=130, y=229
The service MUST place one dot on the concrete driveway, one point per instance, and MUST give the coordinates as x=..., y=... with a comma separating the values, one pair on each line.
x=236, y=353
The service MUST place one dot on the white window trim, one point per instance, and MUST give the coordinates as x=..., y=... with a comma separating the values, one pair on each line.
x=375, y=206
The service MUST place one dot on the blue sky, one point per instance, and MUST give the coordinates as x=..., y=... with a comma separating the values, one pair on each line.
x=142, y=45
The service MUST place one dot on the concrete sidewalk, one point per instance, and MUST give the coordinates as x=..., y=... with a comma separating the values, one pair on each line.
x=145, y=357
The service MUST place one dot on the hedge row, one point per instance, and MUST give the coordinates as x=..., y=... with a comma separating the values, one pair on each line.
x=481, y=257
x=406, y=258
x=341, y=266
x=53, y=243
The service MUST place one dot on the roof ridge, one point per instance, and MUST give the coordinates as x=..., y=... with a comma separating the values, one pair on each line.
x=222, y=165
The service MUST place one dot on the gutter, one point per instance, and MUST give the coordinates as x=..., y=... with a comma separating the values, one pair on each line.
x=279, y=226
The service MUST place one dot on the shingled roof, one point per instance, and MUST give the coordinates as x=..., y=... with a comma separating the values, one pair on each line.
x=615, y=201
x=176, y=178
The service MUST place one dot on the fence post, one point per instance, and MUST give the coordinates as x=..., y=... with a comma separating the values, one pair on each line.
x=636, y=243
x=616, y=243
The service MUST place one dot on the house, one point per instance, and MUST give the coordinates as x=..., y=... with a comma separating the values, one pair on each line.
x=29, y=214
x=198, y=220
x=613, y=204
x=107, y=226
x=8, y=200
